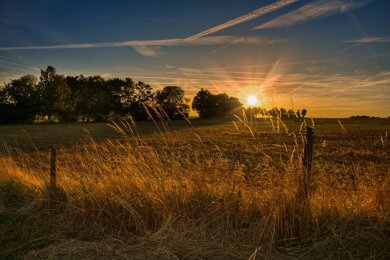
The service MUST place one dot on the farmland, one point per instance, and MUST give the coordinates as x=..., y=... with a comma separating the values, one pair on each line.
x=200, y=189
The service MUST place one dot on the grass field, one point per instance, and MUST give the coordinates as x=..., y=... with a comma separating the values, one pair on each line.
x=199, y=190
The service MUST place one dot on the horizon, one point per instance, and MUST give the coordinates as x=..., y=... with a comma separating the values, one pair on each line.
x=330, y=57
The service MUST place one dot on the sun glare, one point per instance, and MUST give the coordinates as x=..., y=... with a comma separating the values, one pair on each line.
x=251, y=100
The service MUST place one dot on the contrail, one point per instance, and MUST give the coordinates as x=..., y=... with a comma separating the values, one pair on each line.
x=210, y=40
x=244, y=18
x=371, y=40
x=313, y=10
x=145, y=47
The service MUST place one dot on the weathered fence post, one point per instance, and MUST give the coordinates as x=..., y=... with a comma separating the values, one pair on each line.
x=53, y=170
x=308, y=153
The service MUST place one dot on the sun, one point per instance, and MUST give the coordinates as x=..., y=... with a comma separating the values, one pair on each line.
x=251, y=100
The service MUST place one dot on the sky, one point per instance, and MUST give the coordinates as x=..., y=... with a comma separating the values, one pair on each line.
x=331, y=57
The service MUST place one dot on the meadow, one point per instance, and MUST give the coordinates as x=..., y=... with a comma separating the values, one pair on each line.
x=221, y=189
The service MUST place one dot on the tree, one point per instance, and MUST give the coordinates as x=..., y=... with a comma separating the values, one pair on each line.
x=202, y=103
x=100, y=98
x=55, y=94
x=95, y=98
x=5, y=107
x=74, y=83
x=171, y=100
x=298, y=113
x=253, y=112
x=208, y=105
x=225, y=105
x=123, y=91
x=140, y=99
x=19, y=100
x=304, y=112
x=283, y=112
x=291, y=113
x=120, y=91
x=274, y=112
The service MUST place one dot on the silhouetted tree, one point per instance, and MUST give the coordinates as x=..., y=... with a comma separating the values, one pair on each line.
x=100, y=98
x=225, y=105
x=55, y=93
x=298, y=114
x=120, y=91
x=304, y=112
x=5, y=107
x=19, y=100
x=74, y=83
x=171, y=100
x=274, y=112
x=291, y=113
x=283, y=112
x=202, y=103
x=253, y=112
x=140, y=98
x=208, y=105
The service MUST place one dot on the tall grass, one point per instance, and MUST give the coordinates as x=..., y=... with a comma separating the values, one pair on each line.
x=180, y=194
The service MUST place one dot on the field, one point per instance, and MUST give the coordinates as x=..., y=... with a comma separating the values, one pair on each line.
x=196, y=190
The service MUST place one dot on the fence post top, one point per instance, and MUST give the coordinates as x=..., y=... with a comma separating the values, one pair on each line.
x=309, y=129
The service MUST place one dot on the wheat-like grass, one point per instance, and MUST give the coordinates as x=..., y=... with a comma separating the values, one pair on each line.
x=180, y=194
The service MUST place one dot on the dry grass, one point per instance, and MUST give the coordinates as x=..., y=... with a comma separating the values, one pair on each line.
x=199, y=193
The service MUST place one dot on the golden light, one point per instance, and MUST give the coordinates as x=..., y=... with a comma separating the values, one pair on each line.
x=251, y=100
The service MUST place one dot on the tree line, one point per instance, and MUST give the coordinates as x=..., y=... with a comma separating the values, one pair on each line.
x=277, y=112
x=55, y=97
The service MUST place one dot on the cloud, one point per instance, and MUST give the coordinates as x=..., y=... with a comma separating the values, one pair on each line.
x=365, y=40
x=312, y=85
x=313, y=10
x=106, y=75
x=202, y=38
x=144, y=47
x=252, y=15
x=147, y=51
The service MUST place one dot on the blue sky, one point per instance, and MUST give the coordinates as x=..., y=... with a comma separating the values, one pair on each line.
x=330, y=56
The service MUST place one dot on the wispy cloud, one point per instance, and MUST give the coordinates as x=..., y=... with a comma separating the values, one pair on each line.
x=148, y=51
x=144, y=47
x=362, y=41
x=106, y=75
x=150, y=48
x=365, y=40
x=252, y=15
x=313, y=10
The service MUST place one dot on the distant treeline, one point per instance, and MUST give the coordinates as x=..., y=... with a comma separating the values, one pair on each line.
x=208, y=106
x=278, y=112
x=361, y=117
x=55, y=97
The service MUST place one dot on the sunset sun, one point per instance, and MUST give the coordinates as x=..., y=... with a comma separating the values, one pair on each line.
x=251, y=100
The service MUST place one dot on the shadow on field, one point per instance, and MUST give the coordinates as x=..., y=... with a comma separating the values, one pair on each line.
x=35, y=137
x=29, y=138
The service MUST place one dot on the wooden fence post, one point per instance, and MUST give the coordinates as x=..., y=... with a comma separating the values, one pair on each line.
x=53, y=170
x=308, y=153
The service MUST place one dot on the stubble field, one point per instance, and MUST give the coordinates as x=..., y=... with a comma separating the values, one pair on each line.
x=196, y=190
